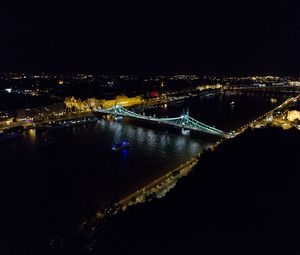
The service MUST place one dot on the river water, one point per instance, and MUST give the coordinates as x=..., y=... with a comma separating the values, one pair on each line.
x=50, y=187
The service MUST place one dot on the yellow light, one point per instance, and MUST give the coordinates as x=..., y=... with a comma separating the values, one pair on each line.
x=32, y=134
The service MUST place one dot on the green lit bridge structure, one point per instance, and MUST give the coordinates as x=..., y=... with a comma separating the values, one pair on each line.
x=184, y=122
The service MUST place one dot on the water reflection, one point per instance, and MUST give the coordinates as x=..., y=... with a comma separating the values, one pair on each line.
x=31, y=134
x=125, y=154
x=83, y=154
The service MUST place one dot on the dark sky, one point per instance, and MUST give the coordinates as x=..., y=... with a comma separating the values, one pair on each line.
x=212, y=37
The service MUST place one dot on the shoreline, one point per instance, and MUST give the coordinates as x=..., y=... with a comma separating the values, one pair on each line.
x=160, y=186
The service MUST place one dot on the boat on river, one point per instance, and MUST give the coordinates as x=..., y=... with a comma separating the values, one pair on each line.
x=120, y=146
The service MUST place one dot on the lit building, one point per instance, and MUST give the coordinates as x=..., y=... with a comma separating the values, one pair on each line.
x=292, y=115
x=123, y=101
x=93, y=103
x=206, y=87
x=294, y=83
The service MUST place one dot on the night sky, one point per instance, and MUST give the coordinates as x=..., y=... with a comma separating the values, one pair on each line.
x=212, y=37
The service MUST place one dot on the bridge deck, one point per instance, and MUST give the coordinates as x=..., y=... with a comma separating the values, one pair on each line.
x=184, y=121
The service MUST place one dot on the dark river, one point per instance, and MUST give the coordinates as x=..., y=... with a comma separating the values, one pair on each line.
x=50, y=187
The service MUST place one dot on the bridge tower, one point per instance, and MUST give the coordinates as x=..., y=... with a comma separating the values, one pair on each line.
x=116, y=111
x=184, y=120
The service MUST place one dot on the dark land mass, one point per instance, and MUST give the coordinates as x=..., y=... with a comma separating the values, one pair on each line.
x=14, y=101
x=242, y=198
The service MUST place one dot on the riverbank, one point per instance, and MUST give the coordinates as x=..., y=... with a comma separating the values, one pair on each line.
x=69, y=120
x=160, y=186
x=52, y=188
x=242, y=193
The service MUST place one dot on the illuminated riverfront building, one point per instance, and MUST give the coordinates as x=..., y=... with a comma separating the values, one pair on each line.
x=93, y=103
x=294, y=83
x=206, y=87
x=293, y=115
x=123, y=101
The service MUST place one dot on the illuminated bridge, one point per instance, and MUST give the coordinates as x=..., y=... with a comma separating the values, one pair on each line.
x=185, y=122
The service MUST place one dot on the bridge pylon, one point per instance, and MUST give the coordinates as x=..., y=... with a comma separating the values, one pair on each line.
x=116, y=114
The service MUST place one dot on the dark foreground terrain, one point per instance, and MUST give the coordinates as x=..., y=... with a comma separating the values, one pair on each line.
x=243, y=198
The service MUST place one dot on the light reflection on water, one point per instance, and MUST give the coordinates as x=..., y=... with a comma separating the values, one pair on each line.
x=79, y=168
x=156, y=150
x=83, y=155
